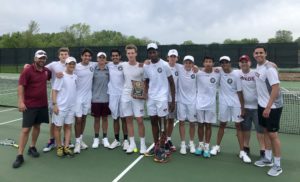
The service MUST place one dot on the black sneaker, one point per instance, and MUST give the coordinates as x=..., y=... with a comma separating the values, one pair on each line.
x=18, y=162
x=33, y=152
x=172, y=147
x=150, y=153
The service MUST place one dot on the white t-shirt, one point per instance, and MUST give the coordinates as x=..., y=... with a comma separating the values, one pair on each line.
x=85, y=75
x=207, y=85
x=131, y=72
x=66, y=87
x=116, y=78
x=266, y=76
x=187, y=86
x=230, y=84
x=249, y=89
x=55, y=67
x=158, y=74
x=174, y=71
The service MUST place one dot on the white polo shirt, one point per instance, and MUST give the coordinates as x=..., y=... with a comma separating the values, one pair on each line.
x=249, y=89
x=207, y=85
x=55, y=67
x=230, y=84
x=266, y=76
x=158, y=74
x=174, y=71
x=187, y=86
x=66, y=87
x=116, y=78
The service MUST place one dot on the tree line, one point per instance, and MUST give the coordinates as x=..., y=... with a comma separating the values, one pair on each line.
x=80, y=34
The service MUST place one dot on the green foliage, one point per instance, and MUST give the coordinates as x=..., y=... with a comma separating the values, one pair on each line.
x=188, y=42
x=242, y=41
x=282, y=36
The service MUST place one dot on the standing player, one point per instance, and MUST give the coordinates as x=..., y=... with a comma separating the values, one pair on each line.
x=207, y=85
x=131, y=106
x=56, y=68
x=115, y=89
x=250, y=97
x=63, y=93
x=231, y=106
x=157, y=77
x=270, y=104
x=33, y=103
x=174, y=66
x=84, y=71
x=186, y=105
x=100, y=107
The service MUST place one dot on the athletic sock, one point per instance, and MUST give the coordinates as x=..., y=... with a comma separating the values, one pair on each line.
x=78, y=140
x=142, y=141
x=117, y=137
x=191, y=142
x=52, y=140
x=201, y=143
x=168, y=138
x=125, y=137
x=262, y=153
x=247, y=150
x=81, y=137
x=104, y=135
x=182, y=142
x=206, y=145
x=96, y=135
x=268, y=154
x=277, y=161
x=131, y=139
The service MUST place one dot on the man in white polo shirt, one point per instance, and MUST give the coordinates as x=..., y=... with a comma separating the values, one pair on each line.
x=270, y=104
x=231, y=106
x=157, y=77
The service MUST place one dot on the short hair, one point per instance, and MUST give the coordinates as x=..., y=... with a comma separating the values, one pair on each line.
x=208, y=57
x=86, y=50
x=260, y=46
x=63, y=49
x=115, y=50
x=131, y=46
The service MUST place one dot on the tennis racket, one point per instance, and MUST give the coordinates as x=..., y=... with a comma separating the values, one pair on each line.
x=9, y=142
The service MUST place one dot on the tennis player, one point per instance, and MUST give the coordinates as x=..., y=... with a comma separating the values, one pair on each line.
x=63, y=94
x=207, y=84
x=33, y=103
x=270, y=104
x=231, y=106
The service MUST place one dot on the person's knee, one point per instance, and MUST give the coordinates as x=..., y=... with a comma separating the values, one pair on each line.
x=208, y=126
x=26, y=131
x=238, y=126
x=222, y=125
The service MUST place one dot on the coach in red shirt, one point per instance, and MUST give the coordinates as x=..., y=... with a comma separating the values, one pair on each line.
x=33, y=103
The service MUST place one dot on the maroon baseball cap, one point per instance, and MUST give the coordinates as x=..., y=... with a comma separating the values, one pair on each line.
x=245, y=57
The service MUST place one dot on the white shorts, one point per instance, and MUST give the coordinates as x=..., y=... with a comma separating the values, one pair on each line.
x=134, y=107
x=115, y=106
x=229, y=113
x=206, y=116
x=186, y=112
x=82, y=107
x=63, y=117
x=157, y=108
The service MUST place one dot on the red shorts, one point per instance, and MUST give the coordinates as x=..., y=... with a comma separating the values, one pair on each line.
x=100, y=109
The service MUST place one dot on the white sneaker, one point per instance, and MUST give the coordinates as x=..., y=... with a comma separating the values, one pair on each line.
x=125, y=144
x=77, y=148
x=131, y=148
x=243, y=155
x=115, y=144
x=95, y=143
x=105, y=143
x=215, y=150
x=83, y=146
x=183, y=149
x=143, y=149
x=192, y=148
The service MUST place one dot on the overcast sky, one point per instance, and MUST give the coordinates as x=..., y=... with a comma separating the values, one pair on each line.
x=166, y=21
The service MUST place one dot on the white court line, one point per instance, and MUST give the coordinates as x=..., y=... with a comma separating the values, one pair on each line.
x=9, y=93
x=8, y=110
x=10, y=121
x=8, y=90
x=135, y=162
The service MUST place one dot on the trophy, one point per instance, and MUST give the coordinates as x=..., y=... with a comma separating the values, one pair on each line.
x=138, y=88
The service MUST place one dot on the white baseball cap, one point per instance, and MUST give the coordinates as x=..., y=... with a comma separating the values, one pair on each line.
x=40, y=53
x=70, y=59
x=188, y=57
x=152, y=46
x=101, y=54
x=227, y=58
x=173, y=52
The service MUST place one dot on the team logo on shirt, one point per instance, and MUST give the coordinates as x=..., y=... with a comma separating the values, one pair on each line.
x=229, y=81
x=159, y=70
x=91, y=69
x=176, y=73
x=193, y=76
x=257, y=74
x=212, y=80
x=120, y=68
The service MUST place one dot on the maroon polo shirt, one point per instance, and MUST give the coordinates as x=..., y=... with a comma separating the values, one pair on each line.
x=35, y=86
